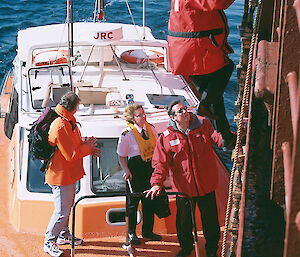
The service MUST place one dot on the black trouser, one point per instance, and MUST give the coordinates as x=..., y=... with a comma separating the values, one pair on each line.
x=214, y=84
x=209, y=217
x=141, y=173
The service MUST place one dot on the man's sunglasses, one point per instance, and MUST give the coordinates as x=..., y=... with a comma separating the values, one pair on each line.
x=182, y=110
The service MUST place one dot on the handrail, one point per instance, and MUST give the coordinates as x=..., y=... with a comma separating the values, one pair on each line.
x=133, y=195
x=188, y=89
x=3, y=87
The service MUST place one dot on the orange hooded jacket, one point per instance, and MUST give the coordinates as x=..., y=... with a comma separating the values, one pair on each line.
x=66, y=165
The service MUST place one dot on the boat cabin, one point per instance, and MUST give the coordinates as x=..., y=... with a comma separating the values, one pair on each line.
x=112, y=65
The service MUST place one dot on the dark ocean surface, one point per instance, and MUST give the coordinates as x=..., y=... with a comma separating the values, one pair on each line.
x=21, y=14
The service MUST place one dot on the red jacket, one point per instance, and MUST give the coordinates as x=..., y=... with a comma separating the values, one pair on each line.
x=188, y=159
x=197, y=36
x=66, y=165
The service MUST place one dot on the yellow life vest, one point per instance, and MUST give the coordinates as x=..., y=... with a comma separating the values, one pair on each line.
x=146, y=146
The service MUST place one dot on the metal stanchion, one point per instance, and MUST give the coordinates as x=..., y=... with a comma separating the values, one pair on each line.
x=127, y=246
x=134, y=195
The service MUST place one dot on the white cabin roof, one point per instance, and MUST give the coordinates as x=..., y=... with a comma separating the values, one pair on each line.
x=57, y=35
x=145, y=84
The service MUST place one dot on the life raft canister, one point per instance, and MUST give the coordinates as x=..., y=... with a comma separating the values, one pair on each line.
x=141, y=56
x=50, y=57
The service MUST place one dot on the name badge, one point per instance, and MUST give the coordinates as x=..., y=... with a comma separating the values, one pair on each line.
x=175, y=142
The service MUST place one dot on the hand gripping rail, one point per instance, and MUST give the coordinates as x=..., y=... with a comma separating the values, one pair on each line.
x=134, y=195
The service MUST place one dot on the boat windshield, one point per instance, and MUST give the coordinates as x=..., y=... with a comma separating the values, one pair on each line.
x=39, y=79
x=107, y=175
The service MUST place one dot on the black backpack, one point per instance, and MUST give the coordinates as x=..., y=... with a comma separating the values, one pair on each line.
x=39, y=146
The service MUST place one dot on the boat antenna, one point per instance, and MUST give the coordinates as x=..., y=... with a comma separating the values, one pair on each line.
x=144, y=19
x=70, y=28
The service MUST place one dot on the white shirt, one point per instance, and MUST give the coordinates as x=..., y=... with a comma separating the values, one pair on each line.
x=127, y=145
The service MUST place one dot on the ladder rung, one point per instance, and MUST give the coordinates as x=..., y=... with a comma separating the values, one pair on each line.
x=237, y=119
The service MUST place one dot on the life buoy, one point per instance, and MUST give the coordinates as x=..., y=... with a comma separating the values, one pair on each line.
x=140, y=56
x=50, y=57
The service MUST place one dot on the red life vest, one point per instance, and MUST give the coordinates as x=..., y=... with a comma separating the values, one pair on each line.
x=197, y=36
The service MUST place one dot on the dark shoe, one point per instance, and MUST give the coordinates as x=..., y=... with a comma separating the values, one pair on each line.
x=205, y=111
x=133, y=239
x=229, y=141
x=152, y=236
x=184, y=252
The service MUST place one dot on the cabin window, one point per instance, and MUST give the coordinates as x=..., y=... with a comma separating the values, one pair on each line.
x=116, y=217
x=36, y=178
x=39, y=79
x=107, y=175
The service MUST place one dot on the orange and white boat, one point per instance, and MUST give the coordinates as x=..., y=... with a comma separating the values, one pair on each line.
x=264, y=183
x=104, y=82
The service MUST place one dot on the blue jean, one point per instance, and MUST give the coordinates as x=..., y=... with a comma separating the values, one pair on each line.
x=63, y=201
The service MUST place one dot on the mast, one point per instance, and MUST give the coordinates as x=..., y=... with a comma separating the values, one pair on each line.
x=144, y=19
x=70, y=28
x=72, y=22
x=100, y=14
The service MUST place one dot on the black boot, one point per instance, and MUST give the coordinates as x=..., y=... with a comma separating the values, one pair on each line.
x=184, y=252
x=229, y=140
x=133, y=239
x=152, y=236
x=205, y=111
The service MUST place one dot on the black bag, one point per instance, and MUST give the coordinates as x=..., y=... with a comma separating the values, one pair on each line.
x=38, y=135
x=161, y=205
x=39, y=146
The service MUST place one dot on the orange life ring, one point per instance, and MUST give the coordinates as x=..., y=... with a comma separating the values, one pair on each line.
x=50, y=57
x=140, y=56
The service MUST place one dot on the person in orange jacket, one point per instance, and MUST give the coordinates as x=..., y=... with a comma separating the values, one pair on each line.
x=198, y=49
x=184, y=152
x=64, y=170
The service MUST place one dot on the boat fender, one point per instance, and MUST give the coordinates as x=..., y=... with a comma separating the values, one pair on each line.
x=139, y=56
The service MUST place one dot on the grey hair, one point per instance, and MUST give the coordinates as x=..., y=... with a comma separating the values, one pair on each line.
x=69, y=101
